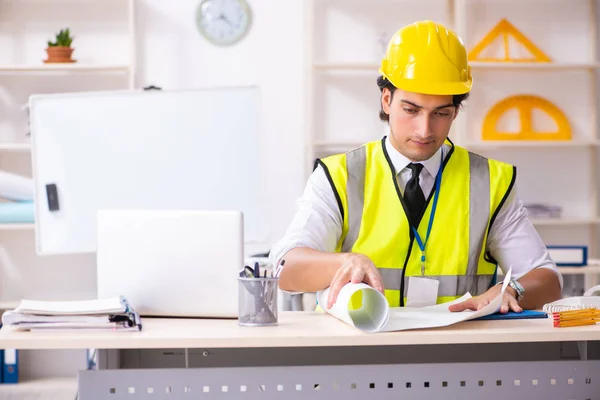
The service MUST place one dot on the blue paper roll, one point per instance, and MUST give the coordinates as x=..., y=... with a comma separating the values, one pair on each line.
x=17, y=212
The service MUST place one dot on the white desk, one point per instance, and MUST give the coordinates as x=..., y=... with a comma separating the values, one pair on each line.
x=303, y=358
x=296, y=329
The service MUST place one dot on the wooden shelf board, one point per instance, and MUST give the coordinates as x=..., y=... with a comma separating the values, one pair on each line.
x=481, y=144
x=588, y=269
x=532, y=65
x=491, y=144
x=53, y=388
x=565, y=221
x=16, y=226
x=585, y=270
x=9, y=304
x=18, y=68
x=15, y=147
x=476, y=65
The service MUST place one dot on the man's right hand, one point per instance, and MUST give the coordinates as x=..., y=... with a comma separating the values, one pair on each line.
x=357, y=268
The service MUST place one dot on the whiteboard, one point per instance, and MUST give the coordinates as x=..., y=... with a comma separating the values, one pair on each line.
x=188, y=149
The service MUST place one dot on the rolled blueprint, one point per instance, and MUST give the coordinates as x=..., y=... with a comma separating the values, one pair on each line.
x=15, y=187
x=375, y=315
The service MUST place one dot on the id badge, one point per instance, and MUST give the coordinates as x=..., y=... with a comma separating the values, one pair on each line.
x=422, y=292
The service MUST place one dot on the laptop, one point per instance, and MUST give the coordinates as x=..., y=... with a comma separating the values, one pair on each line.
x=180, y=263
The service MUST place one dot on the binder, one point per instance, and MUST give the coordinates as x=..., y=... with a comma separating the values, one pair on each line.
x=10, y=367
x=569, y=256
x=525, y=314
x=1, y=362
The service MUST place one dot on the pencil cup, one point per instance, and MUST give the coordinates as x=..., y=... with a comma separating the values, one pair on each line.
x=257, y=301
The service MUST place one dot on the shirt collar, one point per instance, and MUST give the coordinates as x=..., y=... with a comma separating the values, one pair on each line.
x=399, y=161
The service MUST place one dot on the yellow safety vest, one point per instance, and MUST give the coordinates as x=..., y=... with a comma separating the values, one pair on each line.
x=472, y=191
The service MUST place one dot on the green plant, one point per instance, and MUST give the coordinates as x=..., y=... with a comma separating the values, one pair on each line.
x=63, y=38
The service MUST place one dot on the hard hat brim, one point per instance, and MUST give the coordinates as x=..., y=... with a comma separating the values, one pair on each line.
x=435, y=88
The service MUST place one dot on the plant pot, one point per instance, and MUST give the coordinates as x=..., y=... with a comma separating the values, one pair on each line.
x=59, y=54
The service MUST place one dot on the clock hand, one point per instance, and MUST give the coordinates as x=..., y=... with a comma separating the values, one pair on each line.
x=224, y=18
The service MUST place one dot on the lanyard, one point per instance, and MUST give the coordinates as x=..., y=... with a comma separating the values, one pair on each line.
x=420, y=242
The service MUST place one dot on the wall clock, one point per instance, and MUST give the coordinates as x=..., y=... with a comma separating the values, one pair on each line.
x=223, y=22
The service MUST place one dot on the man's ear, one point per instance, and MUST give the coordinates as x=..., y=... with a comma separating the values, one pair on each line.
x=386, y=100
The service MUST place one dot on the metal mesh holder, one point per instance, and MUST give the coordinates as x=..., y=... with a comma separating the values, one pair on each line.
x=257, y=301
x=561, y=380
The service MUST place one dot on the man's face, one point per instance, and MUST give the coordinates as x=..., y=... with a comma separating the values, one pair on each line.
x=419, y=123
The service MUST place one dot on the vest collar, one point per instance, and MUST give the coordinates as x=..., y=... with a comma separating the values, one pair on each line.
x=399, y=161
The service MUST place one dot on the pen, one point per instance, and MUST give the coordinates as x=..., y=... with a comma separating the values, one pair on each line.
x=278, y=270
x=256, y=270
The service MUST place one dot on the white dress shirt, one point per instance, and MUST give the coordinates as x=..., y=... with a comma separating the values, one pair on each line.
x=317, y=224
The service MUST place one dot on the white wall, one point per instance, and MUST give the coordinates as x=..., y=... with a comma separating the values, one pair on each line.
x=172, y=54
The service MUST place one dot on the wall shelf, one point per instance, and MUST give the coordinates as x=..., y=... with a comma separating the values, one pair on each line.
x=15, y=147
x=16, y=227
x=564, y=221
x=9, y=305
x=46, y=388
x=75, y=67
x=491, y=144
x=475, y=65
x=479, y=145
x=587, y=270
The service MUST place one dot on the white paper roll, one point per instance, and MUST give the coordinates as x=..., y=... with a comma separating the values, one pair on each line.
x=15, y=187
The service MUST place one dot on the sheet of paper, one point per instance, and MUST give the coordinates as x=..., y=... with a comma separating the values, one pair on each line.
x=79, y=307
x=14, y=318
x=375, y=314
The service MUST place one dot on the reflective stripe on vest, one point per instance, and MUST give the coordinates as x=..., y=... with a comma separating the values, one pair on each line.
x=448, y=283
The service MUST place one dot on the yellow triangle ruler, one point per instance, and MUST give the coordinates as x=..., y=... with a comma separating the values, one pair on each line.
x=506, y=30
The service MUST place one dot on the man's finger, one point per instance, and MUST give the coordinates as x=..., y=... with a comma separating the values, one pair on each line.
x=374, y=279
x=504, y=307
x=514, y=305
x=339, y=280
x=482, y=303
x=357, y=276
x=465, y=305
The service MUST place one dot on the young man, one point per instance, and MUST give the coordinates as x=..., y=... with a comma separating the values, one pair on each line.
x=412, y=215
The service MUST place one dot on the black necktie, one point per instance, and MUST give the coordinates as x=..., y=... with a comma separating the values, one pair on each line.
x=413, y=195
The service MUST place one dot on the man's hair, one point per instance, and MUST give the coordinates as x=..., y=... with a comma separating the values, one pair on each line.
x=383, y=83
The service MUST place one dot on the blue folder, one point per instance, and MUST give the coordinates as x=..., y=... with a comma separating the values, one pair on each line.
x=525, y=314
x=10, y=373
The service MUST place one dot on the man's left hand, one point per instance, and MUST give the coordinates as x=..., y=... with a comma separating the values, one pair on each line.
x=509, y=301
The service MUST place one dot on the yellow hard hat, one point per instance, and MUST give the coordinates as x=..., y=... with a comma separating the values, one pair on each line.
x=426, y=57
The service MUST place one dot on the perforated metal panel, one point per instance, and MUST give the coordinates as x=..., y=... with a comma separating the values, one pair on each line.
x=561, y=380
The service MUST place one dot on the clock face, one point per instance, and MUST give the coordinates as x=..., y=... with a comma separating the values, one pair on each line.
x=223, y=22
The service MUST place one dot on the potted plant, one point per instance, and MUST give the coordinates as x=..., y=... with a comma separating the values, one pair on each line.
x=60, y=50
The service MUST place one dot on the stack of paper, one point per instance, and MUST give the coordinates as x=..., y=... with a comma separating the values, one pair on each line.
x=113, y=313
x=375, y=314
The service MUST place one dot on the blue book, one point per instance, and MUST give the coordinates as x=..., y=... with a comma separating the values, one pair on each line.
x=1, y=362
x=525, y=314
x=11, y=366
